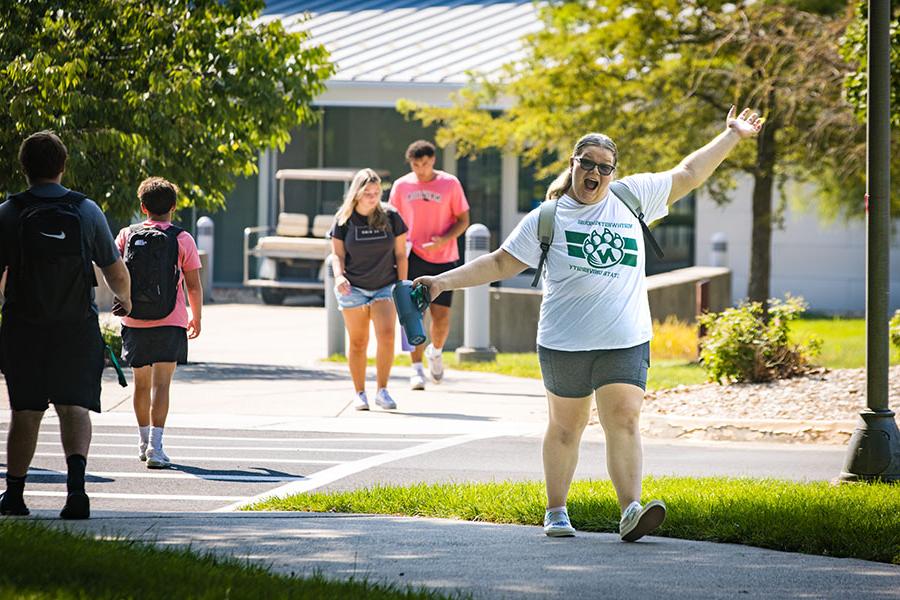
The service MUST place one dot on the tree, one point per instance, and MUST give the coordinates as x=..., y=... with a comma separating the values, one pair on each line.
x=854, y=50
x=189, y=90
x=659, y=76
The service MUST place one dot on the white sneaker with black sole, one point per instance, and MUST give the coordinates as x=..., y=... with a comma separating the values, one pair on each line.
x=142, y=451
x=637, y=521
x=435, y=363
x=417, y=381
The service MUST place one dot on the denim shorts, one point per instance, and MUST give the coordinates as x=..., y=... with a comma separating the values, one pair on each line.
x=578, y=374
x=360, y=297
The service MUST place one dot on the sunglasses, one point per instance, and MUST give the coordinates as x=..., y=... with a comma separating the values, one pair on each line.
x=589, y=165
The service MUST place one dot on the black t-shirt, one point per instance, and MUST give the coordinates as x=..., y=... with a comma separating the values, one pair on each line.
x=369, y=253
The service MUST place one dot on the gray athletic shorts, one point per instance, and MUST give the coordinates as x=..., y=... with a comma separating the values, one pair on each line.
x=578, y=374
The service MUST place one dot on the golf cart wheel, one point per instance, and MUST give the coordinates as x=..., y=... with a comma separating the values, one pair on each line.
x=272, y=296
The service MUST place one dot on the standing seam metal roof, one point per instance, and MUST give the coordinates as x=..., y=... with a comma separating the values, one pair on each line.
x=405, y=41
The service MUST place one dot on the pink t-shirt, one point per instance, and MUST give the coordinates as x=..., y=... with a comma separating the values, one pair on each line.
x=430, y=208
x=188, y=260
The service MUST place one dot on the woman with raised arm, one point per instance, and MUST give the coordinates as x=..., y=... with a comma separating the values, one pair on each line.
x=594, y=330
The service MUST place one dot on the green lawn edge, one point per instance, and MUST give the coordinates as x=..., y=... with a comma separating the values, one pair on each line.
x=850, y=521
x=40, y=562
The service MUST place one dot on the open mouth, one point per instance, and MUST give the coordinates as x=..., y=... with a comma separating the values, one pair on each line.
x=591, y=184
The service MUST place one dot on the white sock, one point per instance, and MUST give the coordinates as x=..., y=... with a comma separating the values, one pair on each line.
x=436, y=350
x=381, y=390
x=418, y=368
x=145, y=434
x=555, y=508
x=156, y=434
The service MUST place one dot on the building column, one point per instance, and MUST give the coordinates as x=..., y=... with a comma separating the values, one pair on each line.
x=265, y=186
x=509, y=193
x=449, y=164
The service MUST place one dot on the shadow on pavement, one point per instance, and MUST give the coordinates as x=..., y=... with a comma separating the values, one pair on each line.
x=201, y=372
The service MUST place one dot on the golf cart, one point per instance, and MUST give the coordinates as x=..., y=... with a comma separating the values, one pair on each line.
x=290, y=257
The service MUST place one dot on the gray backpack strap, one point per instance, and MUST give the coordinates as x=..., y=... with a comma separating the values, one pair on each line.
x=546, y=223
x=621, y=191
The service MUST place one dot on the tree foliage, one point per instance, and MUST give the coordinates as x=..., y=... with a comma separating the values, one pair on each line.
x=854, y=50
x=189, y=90
x=658, y=76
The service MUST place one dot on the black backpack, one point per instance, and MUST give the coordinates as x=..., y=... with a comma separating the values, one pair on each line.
x=151, y=256
x=55, y=276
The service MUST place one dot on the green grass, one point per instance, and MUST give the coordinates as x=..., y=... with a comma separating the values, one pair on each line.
x=41, y=563
x=844, y=341
x=859, y=521
x=844, y=347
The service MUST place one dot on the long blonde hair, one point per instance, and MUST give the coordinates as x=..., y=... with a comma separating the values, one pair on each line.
x=378, y=218
x=563, y=181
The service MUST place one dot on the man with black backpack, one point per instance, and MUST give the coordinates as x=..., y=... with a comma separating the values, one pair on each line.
x=161, y=259
x=51, y=349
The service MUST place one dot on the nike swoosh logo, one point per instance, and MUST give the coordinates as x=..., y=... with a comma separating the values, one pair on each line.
x=59, y=236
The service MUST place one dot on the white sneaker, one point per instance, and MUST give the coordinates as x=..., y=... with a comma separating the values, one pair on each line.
x=417, y=381
x=142, y=451
x=361, y=402
x=384, y=400
x=638, y=521
x=557, y=524
x=157, y=459
x=435, y=363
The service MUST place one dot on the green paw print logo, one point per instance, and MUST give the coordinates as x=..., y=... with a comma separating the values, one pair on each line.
x=603, y=250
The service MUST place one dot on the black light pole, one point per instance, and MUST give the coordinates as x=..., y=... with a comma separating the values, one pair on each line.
x=874, y=451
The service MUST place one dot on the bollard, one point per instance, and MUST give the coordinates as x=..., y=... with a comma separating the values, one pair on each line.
x=334, y=321
x=718, y=256
x=477, y=319
x=206, y=230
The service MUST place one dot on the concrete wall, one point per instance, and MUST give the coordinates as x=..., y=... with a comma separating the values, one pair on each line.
x=823, y=262
x=514, y=312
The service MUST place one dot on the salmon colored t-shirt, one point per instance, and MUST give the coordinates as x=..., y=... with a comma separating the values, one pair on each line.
x=188, y=260
x=430, y=208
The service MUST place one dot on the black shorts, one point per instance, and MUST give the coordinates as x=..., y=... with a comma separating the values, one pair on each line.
x=60, y=363
x=144, y=346
x=419, y=267
x=578, y=374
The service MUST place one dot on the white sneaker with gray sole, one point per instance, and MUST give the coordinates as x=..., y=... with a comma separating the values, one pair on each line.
x=435, y=363
x=157, y=459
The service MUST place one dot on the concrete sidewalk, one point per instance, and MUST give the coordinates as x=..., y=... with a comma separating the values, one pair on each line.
x=501, y=561
x=259, y=367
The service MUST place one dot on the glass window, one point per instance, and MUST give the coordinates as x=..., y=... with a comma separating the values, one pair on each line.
x=480, y=178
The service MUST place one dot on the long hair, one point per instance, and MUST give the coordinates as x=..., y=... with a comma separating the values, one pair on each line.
x=378, y=218
x=563, y=181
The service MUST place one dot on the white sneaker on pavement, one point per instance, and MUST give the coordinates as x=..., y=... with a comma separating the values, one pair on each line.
x=142, y=451
x=157, y=459
x=417, y=381
x=384, y=400
x=361, y=402
x=557, y=524
x=638, y=521
x=435, y=363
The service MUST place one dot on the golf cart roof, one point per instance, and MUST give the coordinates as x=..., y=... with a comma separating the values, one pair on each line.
x=320, y=174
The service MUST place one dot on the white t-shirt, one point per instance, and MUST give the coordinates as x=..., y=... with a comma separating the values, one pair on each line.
x=595, y=291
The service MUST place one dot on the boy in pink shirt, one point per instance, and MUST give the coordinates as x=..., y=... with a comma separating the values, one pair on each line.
x=161, y=259
x=434, y=207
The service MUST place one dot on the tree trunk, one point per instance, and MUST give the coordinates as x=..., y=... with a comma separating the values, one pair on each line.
x=761, y=239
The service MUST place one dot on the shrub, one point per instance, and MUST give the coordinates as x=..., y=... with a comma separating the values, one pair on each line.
x=112, y=338
x=674, y=339
x=743, y=345
x=895, y=329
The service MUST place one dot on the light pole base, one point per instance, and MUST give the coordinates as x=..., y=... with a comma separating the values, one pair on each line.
x=472, y=355
x=874, y=450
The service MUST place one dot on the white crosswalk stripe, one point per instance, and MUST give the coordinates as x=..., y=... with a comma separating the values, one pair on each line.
x=224, y=467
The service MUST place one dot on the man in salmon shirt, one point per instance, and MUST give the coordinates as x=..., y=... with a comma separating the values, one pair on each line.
x=434, y=207
x=161, y=258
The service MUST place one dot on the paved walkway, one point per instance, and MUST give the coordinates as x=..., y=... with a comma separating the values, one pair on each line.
x=258, y=383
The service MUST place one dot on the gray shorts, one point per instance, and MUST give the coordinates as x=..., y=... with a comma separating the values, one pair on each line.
x=578, y=374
